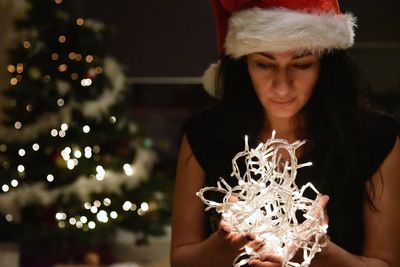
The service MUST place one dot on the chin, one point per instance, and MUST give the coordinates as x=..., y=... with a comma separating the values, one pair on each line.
x=283, y=113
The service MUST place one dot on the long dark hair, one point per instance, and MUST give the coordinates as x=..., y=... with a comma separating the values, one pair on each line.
x=335, y=118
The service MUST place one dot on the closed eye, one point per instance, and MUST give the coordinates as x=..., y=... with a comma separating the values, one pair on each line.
x=302, y=66
x=264, y=65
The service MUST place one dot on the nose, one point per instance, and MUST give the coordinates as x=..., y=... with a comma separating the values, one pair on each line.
x=282, y=82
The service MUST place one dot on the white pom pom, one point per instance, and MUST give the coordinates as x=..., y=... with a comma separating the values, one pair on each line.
x=209, y=79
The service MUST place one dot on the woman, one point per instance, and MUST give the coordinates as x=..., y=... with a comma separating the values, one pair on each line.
x=305, y=87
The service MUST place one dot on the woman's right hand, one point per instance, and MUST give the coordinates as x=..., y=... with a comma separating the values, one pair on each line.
x=231, y=244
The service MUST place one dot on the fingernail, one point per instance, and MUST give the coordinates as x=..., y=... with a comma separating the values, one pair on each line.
x=249, y=238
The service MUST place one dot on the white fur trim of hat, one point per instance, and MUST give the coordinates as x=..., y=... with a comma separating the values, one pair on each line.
x=278, y=30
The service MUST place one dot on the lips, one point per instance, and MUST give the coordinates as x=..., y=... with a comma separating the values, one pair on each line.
x=283, y=102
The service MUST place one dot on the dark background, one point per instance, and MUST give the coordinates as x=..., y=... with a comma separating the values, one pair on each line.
x=166, y=45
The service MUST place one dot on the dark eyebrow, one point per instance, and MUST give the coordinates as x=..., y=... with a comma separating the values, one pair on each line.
x=298, y=56
x=267, y=55
x=305, y=54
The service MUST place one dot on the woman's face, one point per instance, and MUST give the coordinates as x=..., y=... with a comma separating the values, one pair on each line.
x=283, y=82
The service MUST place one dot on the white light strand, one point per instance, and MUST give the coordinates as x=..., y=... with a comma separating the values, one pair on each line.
x=267, y=202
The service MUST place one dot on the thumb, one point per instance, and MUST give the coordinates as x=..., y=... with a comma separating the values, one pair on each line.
x=323, y=202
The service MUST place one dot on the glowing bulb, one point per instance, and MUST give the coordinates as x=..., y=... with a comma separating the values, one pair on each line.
x=92, y=225
x=14, y=183
x=60, y=102
x=26, y=44
x=11, y=68
x=62, y=68
x=144, y=206
x=62, y=38
x=97, y=203
x=80, y=21
x=87, y=205
x=102, y=216
x=61, y=224
x=21, y=168
x=17, y=125
x=100, y=173
x=64, y=127
x=134, y=207
x=59, y=216
x=61, y=133
x=70, y=164
x=113, y=119
x=86, y=82
x=72, y=221
x=50, y=178
x=86, y=129
x=83, y=219
x=93, y=209
x=9, y=218
x=35, y=147
x=54, y=56
x=68, y=150
x=29, y=107
x=107, y=202
x=128, y=169
x=5, y=188
x=127, y=205
x=77, y=154
x=13, y=81
x=89, y=58
x=21, y=152
x=98, y=70
x=54, y=132
x=114, y=215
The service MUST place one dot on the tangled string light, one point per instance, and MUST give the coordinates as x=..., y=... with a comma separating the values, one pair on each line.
x=271, y=205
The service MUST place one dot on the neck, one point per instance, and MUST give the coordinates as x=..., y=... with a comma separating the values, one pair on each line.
x=286, y=128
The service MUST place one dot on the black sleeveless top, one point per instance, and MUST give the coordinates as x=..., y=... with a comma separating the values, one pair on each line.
x=214, y=147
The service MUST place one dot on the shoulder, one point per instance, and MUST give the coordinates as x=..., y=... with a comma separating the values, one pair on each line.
x=381, y=132
x=201, y=130
x=381, y=129
x=200, y=118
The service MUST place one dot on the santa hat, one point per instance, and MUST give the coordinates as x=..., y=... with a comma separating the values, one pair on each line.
x=248, y=26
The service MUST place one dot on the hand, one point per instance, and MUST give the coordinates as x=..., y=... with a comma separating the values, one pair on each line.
x=266, y=260
x=323, y=202
x=235, y=243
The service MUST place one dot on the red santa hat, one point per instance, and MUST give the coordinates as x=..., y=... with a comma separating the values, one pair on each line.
x=248, y=26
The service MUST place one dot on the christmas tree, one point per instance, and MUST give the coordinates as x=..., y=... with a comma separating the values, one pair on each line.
x=73, y=165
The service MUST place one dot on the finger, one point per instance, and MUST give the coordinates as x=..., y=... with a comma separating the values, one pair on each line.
x=256, y=245
x=239, y=241
x=323, y=201
x=271, y=258
x=233, y=199
x=224, y=230
x=258, y=263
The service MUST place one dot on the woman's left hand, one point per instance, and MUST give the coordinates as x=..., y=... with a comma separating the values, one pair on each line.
x=266, y=260
x=270, y=260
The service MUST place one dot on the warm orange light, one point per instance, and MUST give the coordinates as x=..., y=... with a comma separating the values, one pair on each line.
x=54, y=56
x=27, y=44
x=62, y=39
x=80, y=21
x=89, y=58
